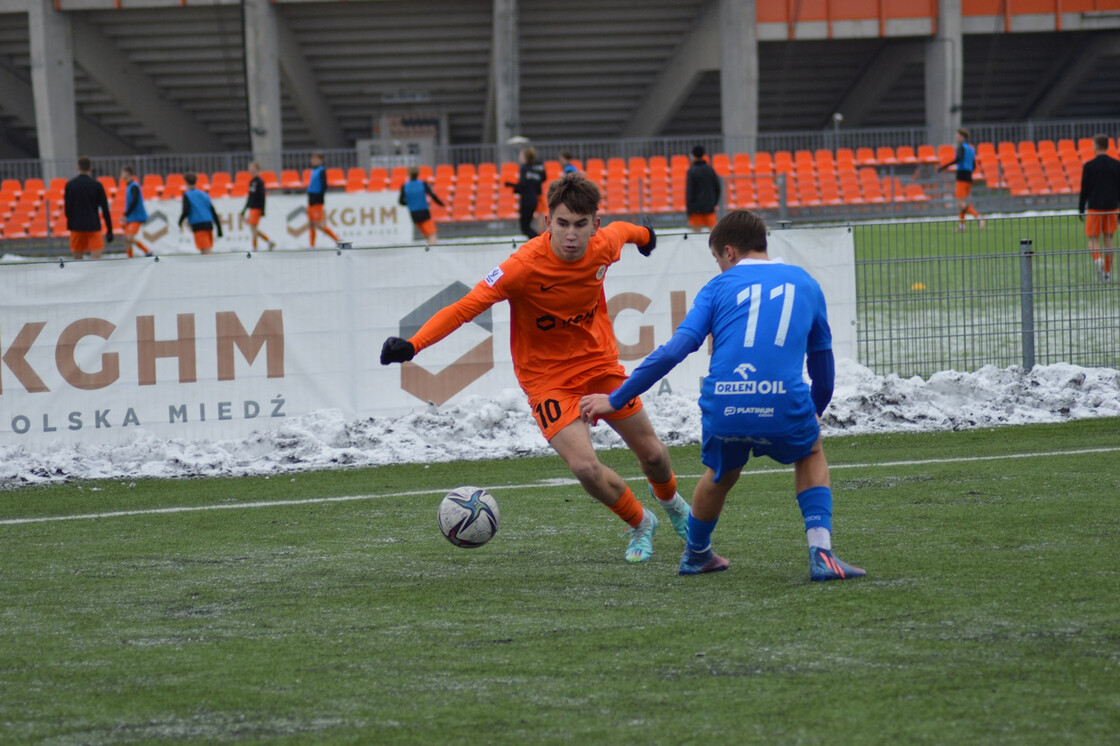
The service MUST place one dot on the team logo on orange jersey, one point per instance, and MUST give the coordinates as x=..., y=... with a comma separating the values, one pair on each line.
x=472, y=365
x=602, y=271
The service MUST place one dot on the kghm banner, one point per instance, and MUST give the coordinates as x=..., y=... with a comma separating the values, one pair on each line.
x=219, y=346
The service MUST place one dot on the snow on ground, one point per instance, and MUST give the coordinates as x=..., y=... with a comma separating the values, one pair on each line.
x=502, y=427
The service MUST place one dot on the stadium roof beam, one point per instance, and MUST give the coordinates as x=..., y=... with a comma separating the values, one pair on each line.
x=52, y=82
x=502, y=119
x=696, y=54
x=738, y=74
x=136, y=92
x=303, y=88
x=877, y=77
x=1070, y=69
x=262, y=83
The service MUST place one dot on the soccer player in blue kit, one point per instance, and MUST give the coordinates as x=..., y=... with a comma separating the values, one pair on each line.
x=765, y=317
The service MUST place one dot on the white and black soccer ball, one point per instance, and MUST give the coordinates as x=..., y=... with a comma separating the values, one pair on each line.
x=468, y=516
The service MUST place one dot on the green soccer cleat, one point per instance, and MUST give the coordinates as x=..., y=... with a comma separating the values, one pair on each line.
x=640, y=548
x=677, y=510
x=824, y=565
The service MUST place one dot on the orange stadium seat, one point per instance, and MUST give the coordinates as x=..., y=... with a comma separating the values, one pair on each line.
x=763, y=165
x=174, y=186
x=865, y=157
x=378, y=179
x=290, y=179
x=906, y=155
x=269, y=179
x=336, y=178
x=741, y=164
x=885, y=156
x=220, y=184
x=927, y=154
x=152, y=184
x=783, y=161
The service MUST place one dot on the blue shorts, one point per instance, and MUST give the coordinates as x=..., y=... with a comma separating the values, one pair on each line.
x=722, y=454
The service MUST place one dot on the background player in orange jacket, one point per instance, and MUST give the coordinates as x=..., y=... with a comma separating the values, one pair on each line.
x=564, y=347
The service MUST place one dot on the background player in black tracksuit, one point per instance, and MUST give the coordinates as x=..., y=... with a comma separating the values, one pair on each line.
x=1099, y=203
x=83, y=198
x=254, y=203
x=529, y=185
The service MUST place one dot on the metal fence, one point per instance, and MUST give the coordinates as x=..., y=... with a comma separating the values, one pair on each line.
x=1020, y=291
x=826, y=139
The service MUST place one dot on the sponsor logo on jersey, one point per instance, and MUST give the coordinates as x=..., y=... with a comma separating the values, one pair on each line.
x=750, y=387
x=753, y=411
x=494, y=276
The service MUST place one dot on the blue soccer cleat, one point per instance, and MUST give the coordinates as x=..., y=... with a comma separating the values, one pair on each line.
x=824, y=565
x=695, y=563
x=640, y=548
x=677, y=510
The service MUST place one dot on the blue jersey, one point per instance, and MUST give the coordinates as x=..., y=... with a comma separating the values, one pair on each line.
x=764, y=317
x=966, y=160
x=317, y=185
x=134, y=211
x=415, y=195
x=197, y=208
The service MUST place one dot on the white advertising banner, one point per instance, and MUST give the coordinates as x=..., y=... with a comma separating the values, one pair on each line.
x=216, y=347
x=360, y=218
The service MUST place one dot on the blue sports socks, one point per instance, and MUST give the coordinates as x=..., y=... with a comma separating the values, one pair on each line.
x=700, y=533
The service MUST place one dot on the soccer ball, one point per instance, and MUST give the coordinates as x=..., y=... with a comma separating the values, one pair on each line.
x=468, y=516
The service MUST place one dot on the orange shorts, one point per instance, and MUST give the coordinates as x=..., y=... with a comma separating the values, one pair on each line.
x=702, y=219
x=1100, y=221
x=204, y=240
x=254, y=216
x=555, y=409
x=83, y=241
x=315, y=213
x=426, y=227
x=132, y=227
x=964, y=188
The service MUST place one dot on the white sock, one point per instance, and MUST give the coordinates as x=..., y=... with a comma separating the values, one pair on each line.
x=819, y=537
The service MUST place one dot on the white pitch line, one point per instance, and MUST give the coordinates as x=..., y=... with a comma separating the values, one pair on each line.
x=531, y=485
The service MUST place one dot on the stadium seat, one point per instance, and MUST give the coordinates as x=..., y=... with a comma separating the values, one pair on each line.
x=220, y=184
x=152, y=184
x=741, y=164
x=906, y=155
x=865, y=157
x=269, y=179
x=487, y=169
x=174, y=186
x=763, y=165
x=336, y=178
x=927, y=154
x=721, y=162
x=291, y=179
x=378, y=179
x=108, y=182
x=783, y=161
x=885, y=156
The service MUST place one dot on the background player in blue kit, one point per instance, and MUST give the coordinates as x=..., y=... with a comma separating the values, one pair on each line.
x=765, y=317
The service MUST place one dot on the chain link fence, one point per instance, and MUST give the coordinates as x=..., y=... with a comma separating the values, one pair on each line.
x=1018, y=291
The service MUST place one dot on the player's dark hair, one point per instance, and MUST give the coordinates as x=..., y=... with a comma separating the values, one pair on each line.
x=128, y=170
x=530, y=155
x=566, y=155
x=963, y=133
x=742, y=229
x=84, y=163
x=1100, y=142
x=190, y=178
x=698, y=151
x=413, y=172
x=575, y=191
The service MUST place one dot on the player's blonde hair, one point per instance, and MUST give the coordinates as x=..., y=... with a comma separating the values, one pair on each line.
x=741, y=229
x=575, y=191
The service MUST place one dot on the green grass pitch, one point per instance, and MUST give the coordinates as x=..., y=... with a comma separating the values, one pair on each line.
x=989, y=615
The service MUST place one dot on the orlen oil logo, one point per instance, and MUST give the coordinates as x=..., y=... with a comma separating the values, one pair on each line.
x=438, y=388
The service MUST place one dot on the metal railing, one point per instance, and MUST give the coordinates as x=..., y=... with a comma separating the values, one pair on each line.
x=1020, y=291
x=827, y=139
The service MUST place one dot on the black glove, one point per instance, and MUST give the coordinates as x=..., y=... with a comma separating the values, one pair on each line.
x=648, y=248
x=219, y=231
x=109, y=236
x=397, y=350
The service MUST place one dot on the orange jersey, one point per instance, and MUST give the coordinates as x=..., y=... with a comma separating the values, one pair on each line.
x=559, y=327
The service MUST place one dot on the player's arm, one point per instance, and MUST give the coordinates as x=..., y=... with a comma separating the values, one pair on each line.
x=956, y=159
x=643, y=236
x=653, y=369
x=217, y=222
x=446, y=320
x=186, y=210
x=433, y=195
x=822, y=374
x=133, y=196
x=103, y=203
x=1086, y=185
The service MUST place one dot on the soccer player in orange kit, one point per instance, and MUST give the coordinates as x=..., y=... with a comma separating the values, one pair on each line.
x=564, y=347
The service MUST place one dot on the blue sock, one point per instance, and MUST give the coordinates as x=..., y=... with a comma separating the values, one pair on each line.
x=816, y=507
x=700, y=533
